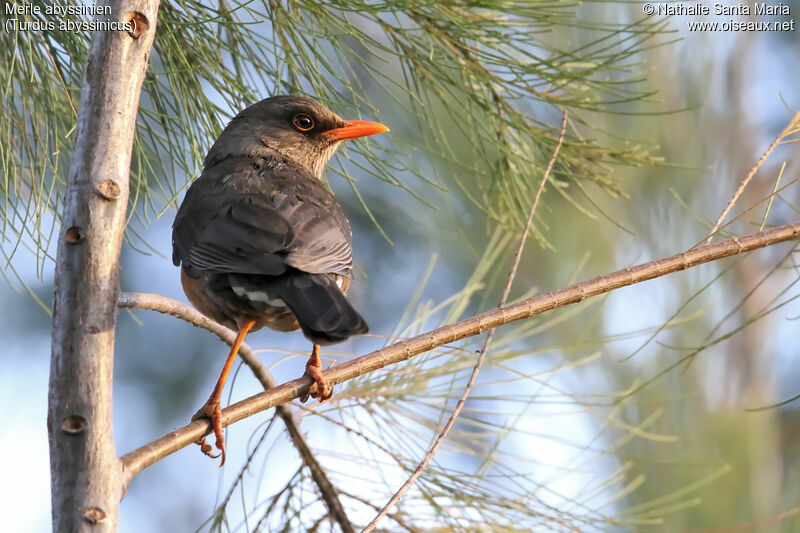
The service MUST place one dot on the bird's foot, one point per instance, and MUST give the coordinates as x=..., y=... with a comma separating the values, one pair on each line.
x=212, y=411
x=324, y=390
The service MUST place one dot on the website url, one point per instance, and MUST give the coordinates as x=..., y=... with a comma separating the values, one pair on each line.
x=736, y=25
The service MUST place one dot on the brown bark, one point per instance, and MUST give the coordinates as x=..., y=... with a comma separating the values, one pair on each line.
x=86, y=474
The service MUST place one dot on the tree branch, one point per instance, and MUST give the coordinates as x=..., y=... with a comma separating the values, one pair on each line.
x=148, y=454
x=85, y=471
x=792, y=128
x=162, y=304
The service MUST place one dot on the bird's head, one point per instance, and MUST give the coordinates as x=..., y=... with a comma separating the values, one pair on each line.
x=296, y=128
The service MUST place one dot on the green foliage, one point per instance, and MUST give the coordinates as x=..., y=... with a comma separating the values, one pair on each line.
x=490, y=75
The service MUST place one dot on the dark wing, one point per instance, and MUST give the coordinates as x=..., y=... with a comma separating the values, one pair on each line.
x=227, y=225
x=321, y=243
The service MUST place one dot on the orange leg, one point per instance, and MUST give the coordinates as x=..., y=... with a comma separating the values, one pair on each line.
x=314, y=370
x=212, y=409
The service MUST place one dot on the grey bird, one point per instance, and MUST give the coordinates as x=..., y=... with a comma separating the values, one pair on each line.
x=261, y=241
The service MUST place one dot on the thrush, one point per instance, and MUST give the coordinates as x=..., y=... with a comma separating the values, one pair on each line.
x=261, y=240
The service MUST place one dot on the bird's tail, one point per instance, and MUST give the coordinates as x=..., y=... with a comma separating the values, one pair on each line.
x=321, y=308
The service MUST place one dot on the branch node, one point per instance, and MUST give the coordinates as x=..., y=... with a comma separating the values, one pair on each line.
x=74, y=425
x=139, y=21
x=94, y=515
x=108, y=190
x=74, y=235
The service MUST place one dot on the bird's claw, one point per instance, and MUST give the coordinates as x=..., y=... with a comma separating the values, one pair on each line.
x=212, y=411
x=206, y=448
x=324, y=391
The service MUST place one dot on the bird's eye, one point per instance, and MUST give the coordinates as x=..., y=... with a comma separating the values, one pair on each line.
x=303, y=122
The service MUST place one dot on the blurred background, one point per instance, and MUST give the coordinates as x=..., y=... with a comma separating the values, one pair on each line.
x=652, y=408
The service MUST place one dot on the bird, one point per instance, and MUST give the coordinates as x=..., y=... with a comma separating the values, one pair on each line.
x=262, y=242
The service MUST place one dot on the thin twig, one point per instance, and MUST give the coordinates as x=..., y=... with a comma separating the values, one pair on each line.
x=394, y=516
x=752, y=208
x=792, y=128
x=482, y=357
x=139, y=459
x=162, y=304
x=246, y=466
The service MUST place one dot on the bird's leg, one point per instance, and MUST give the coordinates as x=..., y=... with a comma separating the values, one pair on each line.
x=212, y=409
x=314, y=370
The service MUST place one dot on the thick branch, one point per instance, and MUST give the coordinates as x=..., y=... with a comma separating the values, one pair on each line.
x=84, y=469
x=162, y=304
x=145, y=456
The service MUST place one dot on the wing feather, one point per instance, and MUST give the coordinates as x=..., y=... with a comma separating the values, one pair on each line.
x=222, y=229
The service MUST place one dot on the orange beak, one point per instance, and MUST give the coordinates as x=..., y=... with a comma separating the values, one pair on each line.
x=354, y=129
